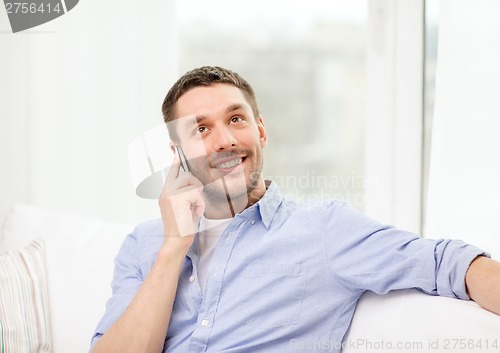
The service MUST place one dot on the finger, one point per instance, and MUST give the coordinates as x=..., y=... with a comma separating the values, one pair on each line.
x=185, y=182
x=193, y=198
x=189, y=207
x=199, y=208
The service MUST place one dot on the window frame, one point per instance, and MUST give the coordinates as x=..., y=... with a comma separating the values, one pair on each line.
x=394, y=116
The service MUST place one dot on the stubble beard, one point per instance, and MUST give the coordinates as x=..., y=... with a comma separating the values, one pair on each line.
x=238, y=187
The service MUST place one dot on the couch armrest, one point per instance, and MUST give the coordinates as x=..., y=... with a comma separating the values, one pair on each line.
x=418, y=322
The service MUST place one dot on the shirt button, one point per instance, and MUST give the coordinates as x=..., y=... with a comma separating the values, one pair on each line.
x=228, y=236
x=253, y=221
x=191, y=279
x=204, y=322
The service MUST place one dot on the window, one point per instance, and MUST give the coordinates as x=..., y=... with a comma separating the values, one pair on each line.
x=306, y=62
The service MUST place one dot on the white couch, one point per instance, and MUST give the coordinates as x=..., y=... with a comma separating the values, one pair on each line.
x=79, y=265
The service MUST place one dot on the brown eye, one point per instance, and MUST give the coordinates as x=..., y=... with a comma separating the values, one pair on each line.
x=236, y=119
x=200, y=130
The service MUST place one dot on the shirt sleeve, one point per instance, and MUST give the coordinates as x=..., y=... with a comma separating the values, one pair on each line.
x=127, y=278
x=366, y=255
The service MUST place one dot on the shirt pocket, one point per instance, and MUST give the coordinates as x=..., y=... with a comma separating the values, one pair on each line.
x=273, y=294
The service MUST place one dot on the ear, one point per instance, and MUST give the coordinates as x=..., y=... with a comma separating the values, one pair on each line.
x=172, y=146
x=262, y=131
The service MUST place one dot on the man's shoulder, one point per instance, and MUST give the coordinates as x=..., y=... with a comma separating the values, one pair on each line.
x=312, y=205
x=144, y=240
x=313, y=211
x=148, y=229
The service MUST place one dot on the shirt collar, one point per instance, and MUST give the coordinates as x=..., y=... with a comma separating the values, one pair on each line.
x=269, y=203
x=268, y=206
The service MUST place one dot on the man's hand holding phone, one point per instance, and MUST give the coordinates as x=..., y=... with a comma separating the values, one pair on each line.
x=181, y=203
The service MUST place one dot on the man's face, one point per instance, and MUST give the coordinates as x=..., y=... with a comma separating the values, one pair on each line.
x=221, y=138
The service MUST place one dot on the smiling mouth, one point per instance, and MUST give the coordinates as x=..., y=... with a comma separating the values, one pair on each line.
x=229, y=163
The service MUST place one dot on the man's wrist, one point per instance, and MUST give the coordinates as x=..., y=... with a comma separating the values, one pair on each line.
x=175, y=247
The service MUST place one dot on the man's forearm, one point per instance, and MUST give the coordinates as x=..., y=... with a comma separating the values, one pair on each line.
x=483, y=283
x=143, y=326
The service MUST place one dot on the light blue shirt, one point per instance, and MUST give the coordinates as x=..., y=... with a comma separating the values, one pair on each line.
x=284, y=273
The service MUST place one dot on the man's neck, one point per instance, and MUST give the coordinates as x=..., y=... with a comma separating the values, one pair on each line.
x=221, y=208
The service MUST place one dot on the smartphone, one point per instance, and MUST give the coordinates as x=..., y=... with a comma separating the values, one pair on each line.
x=182, y=157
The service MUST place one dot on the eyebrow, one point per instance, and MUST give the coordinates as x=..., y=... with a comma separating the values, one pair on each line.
x=234, y=107
x=200, y=118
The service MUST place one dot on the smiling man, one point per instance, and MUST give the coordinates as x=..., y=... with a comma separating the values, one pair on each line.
x=232, y=266
x=222, y=135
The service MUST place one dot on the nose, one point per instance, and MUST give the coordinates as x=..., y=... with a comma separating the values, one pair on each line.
x=224, y=139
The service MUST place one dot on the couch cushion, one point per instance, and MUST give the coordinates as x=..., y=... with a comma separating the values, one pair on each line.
x=80, y=253
x=410, y=321
x=24, y=320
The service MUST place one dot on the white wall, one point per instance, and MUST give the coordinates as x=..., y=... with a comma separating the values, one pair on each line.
x=464, y=189
x=73, y=93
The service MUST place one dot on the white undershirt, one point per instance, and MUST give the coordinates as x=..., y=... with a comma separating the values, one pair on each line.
x=211, y=230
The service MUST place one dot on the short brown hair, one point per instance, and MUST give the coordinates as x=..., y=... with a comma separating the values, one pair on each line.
x=205, y=76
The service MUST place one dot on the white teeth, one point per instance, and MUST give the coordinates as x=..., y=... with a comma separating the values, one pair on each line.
x=229, y=164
